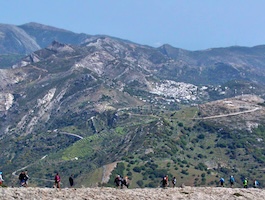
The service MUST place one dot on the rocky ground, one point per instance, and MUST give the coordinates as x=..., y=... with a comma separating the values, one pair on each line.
x=196, y=193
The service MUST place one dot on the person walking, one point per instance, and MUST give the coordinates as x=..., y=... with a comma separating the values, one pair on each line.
x=174, y=181
x=26, y=178
x=57, y=180
x=117, y=181
x=222, y=181
x=125, y=181
x=1, y=179
x=164, y=182
x=255, y=183
x=23, y=179
x=245, y=183
x=232, y=180
x=71, y=180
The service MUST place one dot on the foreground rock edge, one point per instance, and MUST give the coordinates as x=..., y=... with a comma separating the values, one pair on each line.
x=145, y=193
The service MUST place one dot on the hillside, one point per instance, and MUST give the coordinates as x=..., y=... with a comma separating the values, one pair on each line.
x=147, y=143
x=191, y=193
x=108, y=106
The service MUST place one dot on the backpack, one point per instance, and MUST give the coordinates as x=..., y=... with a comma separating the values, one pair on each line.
x=232, y=180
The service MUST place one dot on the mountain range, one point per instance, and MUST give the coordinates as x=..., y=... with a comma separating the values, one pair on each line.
x=97, y=106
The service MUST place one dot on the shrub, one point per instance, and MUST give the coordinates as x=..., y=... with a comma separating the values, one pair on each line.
x=140, y=183
x=160, y=172
x=132, y=162
x=200, y=155
x=201, y=136
x=137, y=169
x=152, y=176
x=152, y=184
x=184, y=162
x=201, y=167
x=180, y=124
x=221, y=145
x=184, y=172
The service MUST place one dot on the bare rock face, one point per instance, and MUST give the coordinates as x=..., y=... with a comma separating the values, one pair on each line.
x=192, y=193
x=6, y=101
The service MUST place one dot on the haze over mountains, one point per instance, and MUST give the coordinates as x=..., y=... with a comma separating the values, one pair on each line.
x=84, y=102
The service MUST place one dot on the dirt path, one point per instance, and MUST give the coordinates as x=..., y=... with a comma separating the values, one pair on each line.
x=107, y=169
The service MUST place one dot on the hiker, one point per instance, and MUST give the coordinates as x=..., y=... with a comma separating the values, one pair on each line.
x=71, y=180
x=164, y=182
x=1, y=179
x=167, y=180
x=23, y=179
x=232, y=181
x=117, y=181
x=255, y=183
x=174, y=181
x=222, y=181
x=57, y=180
x=27, y=177
x=245, y=183
x=125, y=181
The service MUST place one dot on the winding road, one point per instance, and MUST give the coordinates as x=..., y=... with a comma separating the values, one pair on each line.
x=72, y=134
x=230, y=114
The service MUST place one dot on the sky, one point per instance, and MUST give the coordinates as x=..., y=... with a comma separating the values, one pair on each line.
x=187, y=24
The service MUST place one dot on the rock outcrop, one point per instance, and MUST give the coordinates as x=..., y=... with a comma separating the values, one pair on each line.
x=196, y=193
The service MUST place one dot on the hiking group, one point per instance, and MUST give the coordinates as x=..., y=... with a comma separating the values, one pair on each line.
x=57, y=181
x=232, y=182
x=24, y=177
x=165, y=181
x=120, y=181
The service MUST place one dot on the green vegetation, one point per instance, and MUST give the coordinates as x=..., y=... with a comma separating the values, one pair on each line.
x=148, y=144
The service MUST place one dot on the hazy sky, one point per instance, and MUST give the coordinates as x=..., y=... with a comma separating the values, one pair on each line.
x=187, y=24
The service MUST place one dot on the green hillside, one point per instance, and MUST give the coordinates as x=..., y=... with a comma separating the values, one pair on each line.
x=147, y=144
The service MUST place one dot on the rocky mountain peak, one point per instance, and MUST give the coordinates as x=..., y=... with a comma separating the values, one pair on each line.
x=60, y=47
